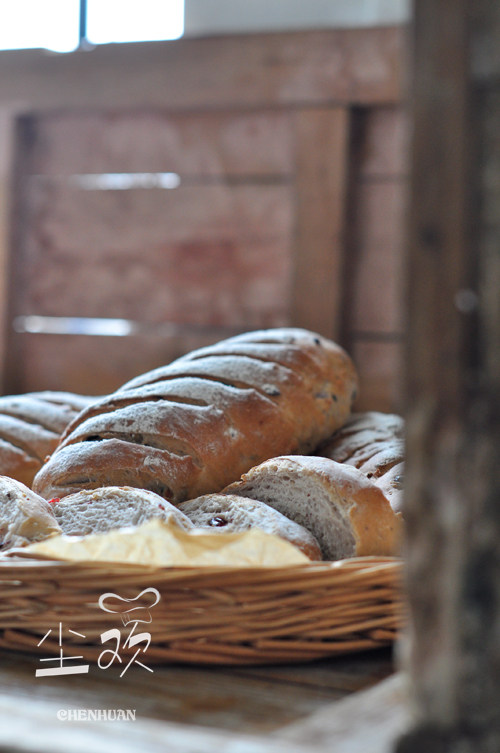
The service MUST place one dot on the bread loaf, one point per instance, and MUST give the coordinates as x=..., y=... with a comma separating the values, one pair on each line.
x=30, y=429
x=373, y=442
x=24, y=516
x=227, y=512
x=346, y=513
x=101, y=510
x=192, y=427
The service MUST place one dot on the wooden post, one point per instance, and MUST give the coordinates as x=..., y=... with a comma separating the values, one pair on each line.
x=453, y=379
x=321, y=180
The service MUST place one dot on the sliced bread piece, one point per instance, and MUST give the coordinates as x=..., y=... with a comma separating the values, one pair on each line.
x=347, y=514
x=227, y=512
x=106, y=508
x=24, y=516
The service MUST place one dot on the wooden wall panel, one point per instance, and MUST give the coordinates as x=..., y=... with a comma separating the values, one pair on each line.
x=379, y=365
x=209, y=254
x=205, y=144
x=374, y=319
x=384, y=152
x=291, y=161
x=378, y=271
x=98, y=365
x=146, y=218
x=322, y=150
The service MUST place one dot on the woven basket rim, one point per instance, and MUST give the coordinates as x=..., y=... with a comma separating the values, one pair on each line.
x=24, y=560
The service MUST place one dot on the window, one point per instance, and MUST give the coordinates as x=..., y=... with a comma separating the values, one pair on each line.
x=39, y=23
x=132, y=21
x=61, y=25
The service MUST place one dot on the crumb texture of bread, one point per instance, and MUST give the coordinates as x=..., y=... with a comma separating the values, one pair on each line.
x=347, y=513
x=195, y=425
x=229, y=513
x=101, y=510
x=25, y=517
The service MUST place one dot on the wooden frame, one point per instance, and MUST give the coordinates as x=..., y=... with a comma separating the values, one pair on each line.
x=453, y=378
x=321, y=76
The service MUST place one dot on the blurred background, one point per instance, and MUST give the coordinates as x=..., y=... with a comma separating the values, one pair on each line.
x=172, y=173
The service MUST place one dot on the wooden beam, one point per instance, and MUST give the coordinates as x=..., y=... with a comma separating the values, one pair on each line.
x=453, y=379
x=242, y=70
x=7, y=141
x=321, y=195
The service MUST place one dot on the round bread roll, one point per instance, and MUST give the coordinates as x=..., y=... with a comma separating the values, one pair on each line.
x=192, y=427
x=30, y=429
x=101, y=510
x=347, y=514
x=24, y=516
x=227, y=512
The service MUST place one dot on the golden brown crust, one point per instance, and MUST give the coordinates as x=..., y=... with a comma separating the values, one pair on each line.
x=391, y=484
x=18, y=464
x=30, y=428
x=195, y=425
x=376, y=528
x=374, y=443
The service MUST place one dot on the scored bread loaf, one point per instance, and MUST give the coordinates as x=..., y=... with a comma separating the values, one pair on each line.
x=391, y=483
x=197, y=424
x=374, y=443
x=347, y=514
x=101, y=510
x=24, y=515
x=30, y=429
x=229, y=513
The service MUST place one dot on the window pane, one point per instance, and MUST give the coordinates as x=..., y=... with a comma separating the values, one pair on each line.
x=134, y=20
x=39, y=23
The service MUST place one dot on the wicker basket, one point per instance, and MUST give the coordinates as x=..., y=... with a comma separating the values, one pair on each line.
x=205, y=615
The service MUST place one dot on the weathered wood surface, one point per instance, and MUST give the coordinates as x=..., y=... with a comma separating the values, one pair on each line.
x=198, y=146
x=246, y=70
x=99, y=365
x=291, y=160
x=374, y=320
x=7, y=148
x=322, y=155
x=372, y=720
x=242, y=243
x=379, y=365
x=189, y=708
x=377, y=305
x=213, y=255
x=453, y=379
